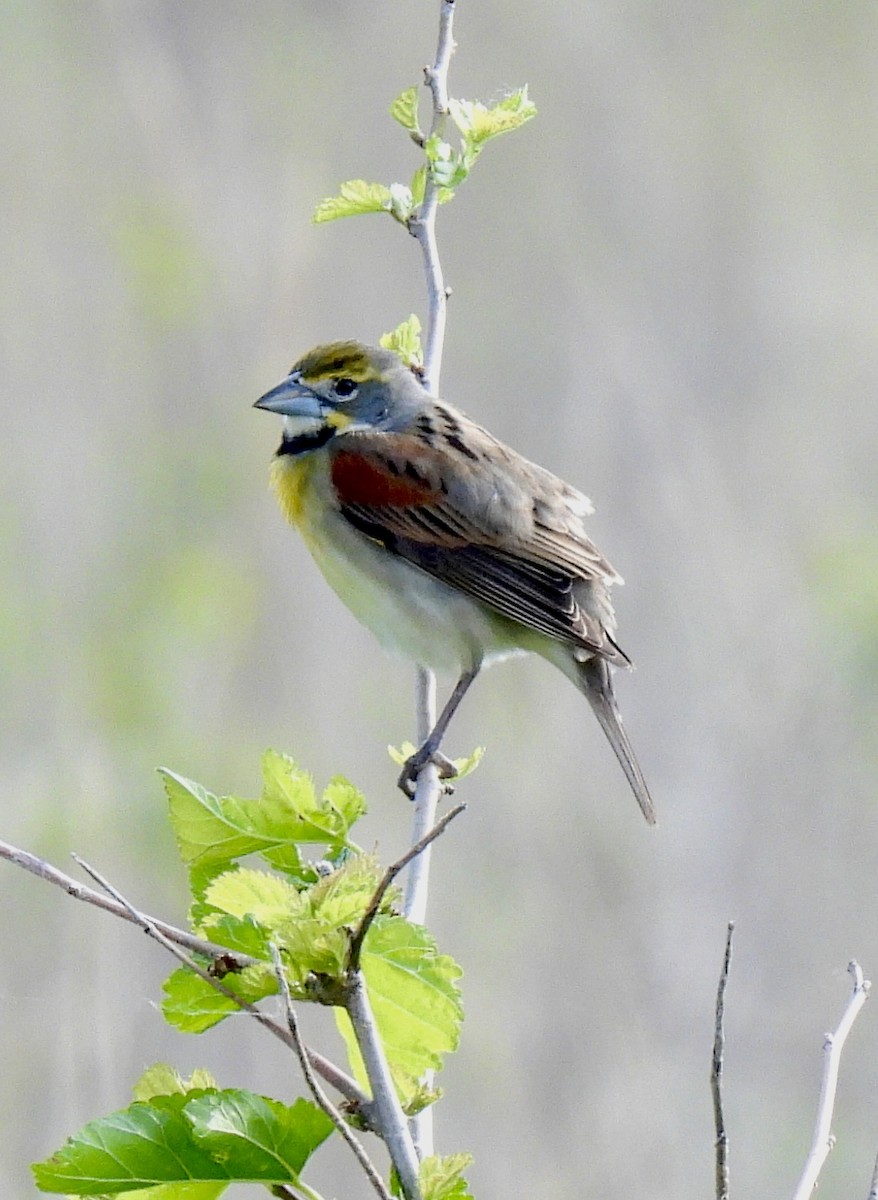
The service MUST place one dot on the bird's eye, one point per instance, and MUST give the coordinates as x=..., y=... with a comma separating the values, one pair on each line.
x=344, y=387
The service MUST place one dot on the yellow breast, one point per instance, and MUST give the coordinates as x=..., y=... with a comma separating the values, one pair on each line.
x=291, y=477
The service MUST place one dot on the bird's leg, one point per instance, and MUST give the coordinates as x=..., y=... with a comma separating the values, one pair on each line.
x=428, y=751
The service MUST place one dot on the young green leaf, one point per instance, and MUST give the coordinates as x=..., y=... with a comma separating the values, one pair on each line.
x=478, y=123
x=462, y=766
x=405, y=110
x=161, y=1079
x=213, y=831
x=441, y=1178
x=405, y=341
x=354, y=198
x=191, y=1005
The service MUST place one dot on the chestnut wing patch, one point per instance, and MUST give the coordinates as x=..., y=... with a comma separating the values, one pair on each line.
x=392, y=499
x=369, y=480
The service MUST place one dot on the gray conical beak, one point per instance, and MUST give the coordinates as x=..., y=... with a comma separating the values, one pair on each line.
x=291, y=398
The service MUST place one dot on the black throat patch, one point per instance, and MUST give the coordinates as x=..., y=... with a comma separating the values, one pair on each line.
x=303, y=442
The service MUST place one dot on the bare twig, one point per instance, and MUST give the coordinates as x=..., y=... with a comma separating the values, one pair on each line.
x=387, y=879
x=391, y=1119
x=79, y=891
x=173, y=938
x=721, y=1145
x=873, y=1183
x=833, y=1044
x=316, y=1090
x=423, y=225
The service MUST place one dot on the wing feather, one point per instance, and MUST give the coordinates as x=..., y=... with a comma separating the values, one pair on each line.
x=489, y=523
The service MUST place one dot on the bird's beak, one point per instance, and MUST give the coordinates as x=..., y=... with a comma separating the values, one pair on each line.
x=291, y=398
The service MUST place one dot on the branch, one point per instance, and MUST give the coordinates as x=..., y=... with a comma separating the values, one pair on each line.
x=171, y=938
x=873, y=1183
x=423, y=226
x=423, y=229
x=721, y=1144
x=387, y=879
x=833, y=1044
x=428, y=789
x=316, y=1090
x=79, y=891
x=391, y=1118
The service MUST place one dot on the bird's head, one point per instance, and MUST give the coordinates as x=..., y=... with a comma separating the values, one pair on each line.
x=343, y=387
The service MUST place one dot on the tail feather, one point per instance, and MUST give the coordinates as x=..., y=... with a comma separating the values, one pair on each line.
x=597, y=684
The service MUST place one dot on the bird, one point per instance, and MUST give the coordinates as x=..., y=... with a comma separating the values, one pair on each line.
x=447, y=544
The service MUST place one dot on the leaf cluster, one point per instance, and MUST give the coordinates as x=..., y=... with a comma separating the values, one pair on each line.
x=446, y=165
x=279, y=871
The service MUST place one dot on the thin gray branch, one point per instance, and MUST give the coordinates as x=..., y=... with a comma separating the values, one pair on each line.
x=721, y=1145
x=391, y=1119
x=172, y=938
x=833, y=1044
x=387, y=879
x=79, y=891
x=873, y=1183
x=428, y=790
x=316, y=1090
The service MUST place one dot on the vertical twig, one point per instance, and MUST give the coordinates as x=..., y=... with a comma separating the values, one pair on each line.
x=721, y=1145
x=423, y=227
x=391, y=1118
x=833, y=1044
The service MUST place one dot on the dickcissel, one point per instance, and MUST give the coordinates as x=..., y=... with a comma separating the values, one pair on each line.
x=447, y=544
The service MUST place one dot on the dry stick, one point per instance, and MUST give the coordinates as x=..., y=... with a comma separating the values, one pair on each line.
x=721, y=1145
x=428, y=789
x=328, y=1070
x=316, y=1090
x=833, y=1044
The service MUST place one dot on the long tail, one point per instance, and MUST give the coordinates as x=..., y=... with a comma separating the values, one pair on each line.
x=597, y=684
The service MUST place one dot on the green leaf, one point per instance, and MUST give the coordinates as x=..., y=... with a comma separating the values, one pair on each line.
x=405, y=341
x=478, y=123
x=191, y=1005
x=462, y=766
x=196, y=1137
x=180, y=1191
x=405, y=110
x=267, y=899
x=317, y=943
x=215, y=830
x=161, y=1079
x=354, y=197
x=257, y=1138
x=447, y=166
x=415, y=1001
x=138, y=1147
x=442, y=1177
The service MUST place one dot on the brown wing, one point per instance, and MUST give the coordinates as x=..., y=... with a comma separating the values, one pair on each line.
x=483, y=520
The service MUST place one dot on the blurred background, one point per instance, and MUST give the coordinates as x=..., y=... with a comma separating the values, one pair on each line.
x=665, y=289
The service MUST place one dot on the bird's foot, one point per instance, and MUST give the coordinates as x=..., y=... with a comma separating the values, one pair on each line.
x=408, y=776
